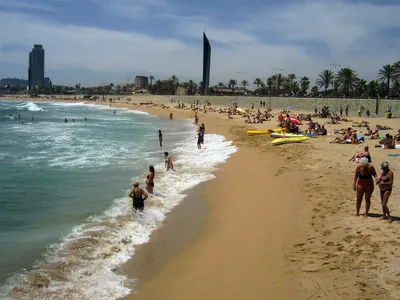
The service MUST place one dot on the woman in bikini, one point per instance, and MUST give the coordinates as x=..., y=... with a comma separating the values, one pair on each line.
x=168, y=162
x=150, y=180
x=138, y=196
x=385, y=183
x=363, y=184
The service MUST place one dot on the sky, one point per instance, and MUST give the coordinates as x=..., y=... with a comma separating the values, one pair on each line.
x=92, y=41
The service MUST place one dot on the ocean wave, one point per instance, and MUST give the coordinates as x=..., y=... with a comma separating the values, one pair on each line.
x=83, y=265
x=29, y=106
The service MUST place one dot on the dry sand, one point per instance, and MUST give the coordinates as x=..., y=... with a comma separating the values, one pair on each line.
x=280, y=224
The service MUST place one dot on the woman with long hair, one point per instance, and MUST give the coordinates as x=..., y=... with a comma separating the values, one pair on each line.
x=150, y=180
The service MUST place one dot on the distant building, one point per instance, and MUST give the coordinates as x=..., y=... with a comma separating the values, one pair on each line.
x=206, y=64
x=36, y=67
x=141, y=82
x=47, y=82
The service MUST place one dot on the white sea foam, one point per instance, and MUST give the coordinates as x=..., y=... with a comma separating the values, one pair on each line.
x=92, y=251
x=29, y=106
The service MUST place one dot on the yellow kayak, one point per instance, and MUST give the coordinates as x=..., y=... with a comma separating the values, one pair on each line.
x=265, y=131
x=285, y=135
x=289, y=140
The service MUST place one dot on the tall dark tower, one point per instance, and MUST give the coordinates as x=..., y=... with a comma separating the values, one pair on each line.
x=206, y=64
x=36, y=67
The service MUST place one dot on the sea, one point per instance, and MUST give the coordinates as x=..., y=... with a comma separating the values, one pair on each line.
x=66, y=222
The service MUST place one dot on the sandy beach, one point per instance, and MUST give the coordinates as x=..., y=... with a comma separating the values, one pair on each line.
x=278, y=223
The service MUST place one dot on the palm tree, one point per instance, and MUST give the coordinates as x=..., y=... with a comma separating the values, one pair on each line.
x=151, y=82
x=387, y=73
x=361, y=86
x=220, y=85
x=304, y=84
x=175, y=80
x=326, y=78
x=245, y=83
x=258, y=82
x=291, y=77
x=397, y=70
x=347, y=79
x=279, y=79
x=191, y=85
x=270, y=83
x=373, y=88
x=232, y=83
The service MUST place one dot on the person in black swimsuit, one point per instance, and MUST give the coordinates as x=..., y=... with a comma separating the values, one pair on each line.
x=203, y=131
x=160, y=137
x=150, y=180
x=199, y=139
x=385, y=183
x=363, y=184
x=138, y=196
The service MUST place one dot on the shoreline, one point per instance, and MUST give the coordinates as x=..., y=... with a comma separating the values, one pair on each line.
x=302, y=241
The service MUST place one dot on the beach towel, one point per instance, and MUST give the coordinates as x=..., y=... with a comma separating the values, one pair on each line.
x=394, y=154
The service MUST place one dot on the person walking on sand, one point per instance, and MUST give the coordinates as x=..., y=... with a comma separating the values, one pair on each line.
x=347, y=110
x=363, y=184
x=168, y=162
x=138, y=196
x=150, y=180
x=385, y=183
x=160, y=137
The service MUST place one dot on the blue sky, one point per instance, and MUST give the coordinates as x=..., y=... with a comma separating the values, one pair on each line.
x=89, y=41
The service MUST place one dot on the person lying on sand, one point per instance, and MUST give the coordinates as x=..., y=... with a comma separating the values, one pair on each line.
x=363, y=184
x=379, y=127
x=365, y=153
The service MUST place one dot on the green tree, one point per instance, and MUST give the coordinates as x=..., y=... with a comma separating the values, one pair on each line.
x=315, y=91
x=373, y=88
x=326, y=78
x=304, y=85
x=245, y=83
x=397, y=70
x=386, y=74
x=361, y=87
x=258, y=82
x=151, y=82
x=192, y=87
x=232, y=84
x=347, y=79
x=270, y=83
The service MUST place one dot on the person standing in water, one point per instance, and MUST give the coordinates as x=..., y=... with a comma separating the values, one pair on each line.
x=160, y=137
x=168, y=162
x=199, y=139
x=385, y=183
x=171, y=116
x=150, y=180
x=363, y=184
x=138, y=196
x=203, y=131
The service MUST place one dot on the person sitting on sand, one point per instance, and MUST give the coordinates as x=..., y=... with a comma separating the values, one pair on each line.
x=388, y=142
x=385, y=183
x=365, y=153
x=168, y=162
x=354, y=139
x=369, y=132
x=138, y=196
x=150, y=180
x=363, y=184
x=397, y=137
x=323, y=131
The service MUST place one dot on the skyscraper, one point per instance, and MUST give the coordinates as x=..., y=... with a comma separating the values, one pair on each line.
x=36, y=67
x=206, y=64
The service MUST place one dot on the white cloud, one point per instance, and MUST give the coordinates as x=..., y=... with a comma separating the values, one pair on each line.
x=133, y=9
x=27, y=5
x=351, y=33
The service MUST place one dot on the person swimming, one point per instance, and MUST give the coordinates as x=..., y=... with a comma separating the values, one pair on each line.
x=168, y=162
x=138, y=196
x=385, y=183
x=150, y=180
x=363, y=184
